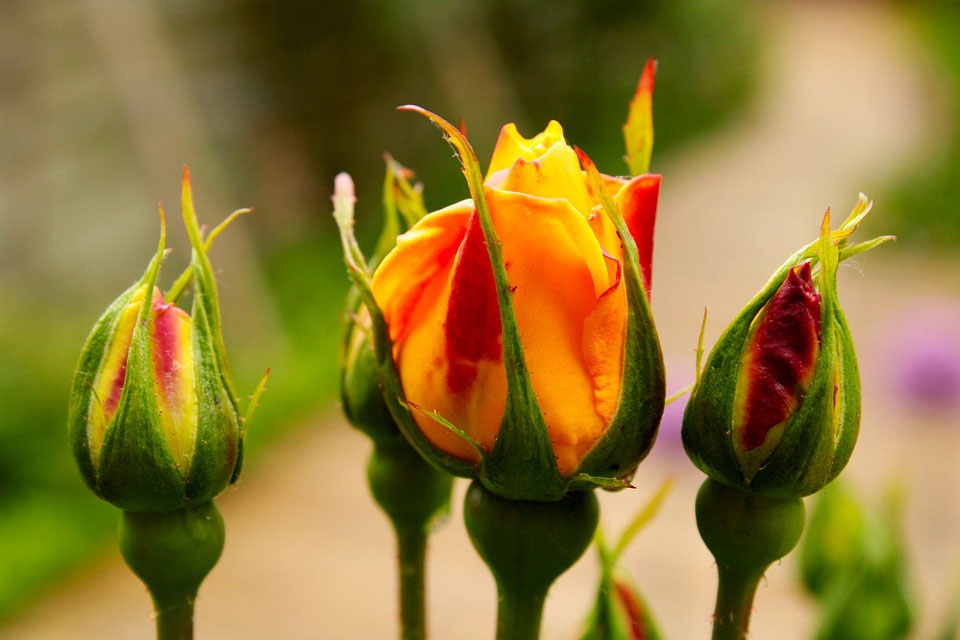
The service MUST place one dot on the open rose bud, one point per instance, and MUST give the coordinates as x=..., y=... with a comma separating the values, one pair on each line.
x=520, y=348
x=153, y=420
x=776, y=411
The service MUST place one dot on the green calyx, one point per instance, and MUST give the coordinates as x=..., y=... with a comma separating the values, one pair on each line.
x=129, y=456
x=818, y=437
x=745, y=533
x=412, y=492
x=172, y=552
x=527, y=545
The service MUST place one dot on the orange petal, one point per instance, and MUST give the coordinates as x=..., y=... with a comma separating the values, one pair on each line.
x=422, y=254
x=604, y=333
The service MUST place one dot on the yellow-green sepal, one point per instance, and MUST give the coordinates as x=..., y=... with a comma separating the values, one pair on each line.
x=633, y=429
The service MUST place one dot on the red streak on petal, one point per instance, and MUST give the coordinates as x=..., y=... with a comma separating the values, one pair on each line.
x=472, y=326
x=166, y=346
x=638, y=205
x=784, y=349
x=116, y=389
x=634, y=611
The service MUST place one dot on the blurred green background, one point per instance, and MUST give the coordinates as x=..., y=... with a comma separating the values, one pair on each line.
x=101, y=103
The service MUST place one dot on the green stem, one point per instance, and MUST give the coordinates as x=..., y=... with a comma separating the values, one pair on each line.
x=412, y=551
x=412, y=493
x=519, y=615
x=735, y=592
x=745, y=533
x=172, y=552
x=174, y=619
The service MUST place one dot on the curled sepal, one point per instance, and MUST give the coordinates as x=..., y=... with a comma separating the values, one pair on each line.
x=522, y=464
x=776, y=410
x=379, y=339
x=631, y=433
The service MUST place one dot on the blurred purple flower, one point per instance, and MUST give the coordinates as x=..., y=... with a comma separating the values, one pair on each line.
x=668, y=438
x=924, y=370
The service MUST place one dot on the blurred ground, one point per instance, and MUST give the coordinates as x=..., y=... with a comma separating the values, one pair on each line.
x=309, y=556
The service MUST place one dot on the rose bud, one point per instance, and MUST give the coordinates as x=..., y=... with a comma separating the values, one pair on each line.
x=575, y=403
x=153, y=419
x=360, y=391
x=619, y=611
x=776, y=411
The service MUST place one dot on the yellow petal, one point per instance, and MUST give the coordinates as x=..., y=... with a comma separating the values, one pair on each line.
x=511, y=146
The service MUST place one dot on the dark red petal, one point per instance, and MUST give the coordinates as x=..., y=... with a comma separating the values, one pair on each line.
x=472, y=327
x=783, y=352
x=638, y=205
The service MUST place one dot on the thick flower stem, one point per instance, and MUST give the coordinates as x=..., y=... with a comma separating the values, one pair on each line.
x=412, y=551
x=746, y=534
x=527, y=545
x=519, y=615
x=172, y=552
x=174, y=619
x=735, y=593
x=412, y=493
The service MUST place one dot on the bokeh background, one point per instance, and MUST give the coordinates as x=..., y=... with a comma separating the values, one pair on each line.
x=766, y=113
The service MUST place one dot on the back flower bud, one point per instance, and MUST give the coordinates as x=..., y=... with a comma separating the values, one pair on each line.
x=153, y=422
x=776, y=411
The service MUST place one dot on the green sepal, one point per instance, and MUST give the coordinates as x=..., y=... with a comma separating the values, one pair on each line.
x=216, y=452
x=818, y=439
x=522, y=464
x=631, y=434
x=205, y=292
x=136, y=470
x=81, y=392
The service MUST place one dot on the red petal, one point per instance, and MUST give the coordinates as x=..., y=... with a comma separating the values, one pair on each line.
x=638, y=205
x=782, y=355
x=472, y=326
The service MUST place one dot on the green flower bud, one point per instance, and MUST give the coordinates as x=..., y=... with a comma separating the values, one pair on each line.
x=776, y=411
x=153, y=421
x=360, y=391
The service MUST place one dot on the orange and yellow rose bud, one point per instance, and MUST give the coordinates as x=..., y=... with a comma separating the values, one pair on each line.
x=777, y=409
x=153, y=420
x=574, y=290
